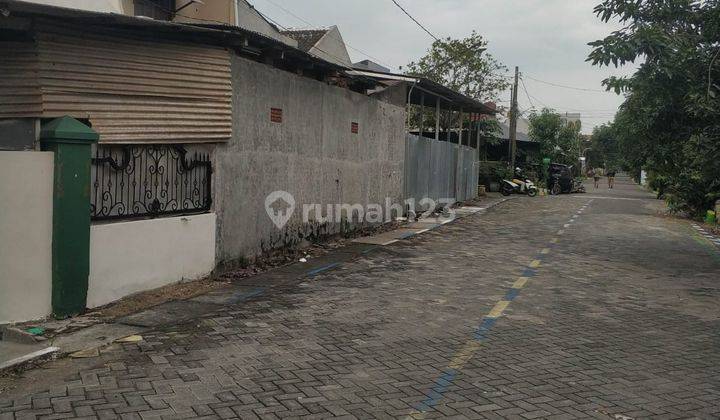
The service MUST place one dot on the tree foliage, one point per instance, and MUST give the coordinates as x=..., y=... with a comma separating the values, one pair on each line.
x=604, y=149
x=559, y=140
x=669, y=122
x=464, y=66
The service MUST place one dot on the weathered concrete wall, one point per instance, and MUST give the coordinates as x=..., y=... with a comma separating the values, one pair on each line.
x=312, y=154
x=133, y=256
x=26, y=209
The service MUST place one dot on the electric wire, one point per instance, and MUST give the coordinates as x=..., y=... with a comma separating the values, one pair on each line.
x=566, y=86
x=172, y=12
x=532, y=105
x=310, y=24
x=415, y=20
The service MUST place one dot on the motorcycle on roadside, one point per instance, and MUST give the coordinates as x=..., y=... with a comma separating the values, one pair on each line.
x=518, y=186
x=561, y=180
x=575, y=186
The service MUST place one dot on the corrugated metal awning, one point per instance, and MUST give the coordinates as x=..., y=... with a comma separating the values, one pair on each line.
x=433, y=90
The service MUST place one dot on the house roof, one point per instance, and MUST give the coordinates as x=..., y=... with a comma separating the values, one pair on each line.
x=260, y=15
x=370, y=65
x=306, y=38
x=423, y=88
x=520, y=135
x=241, y=39
x=244, y=41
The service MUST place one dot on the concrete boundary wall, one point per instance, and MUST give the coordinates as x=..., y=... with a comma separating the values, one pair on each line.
x=432, y=170
x=133, y=256
x=312, y=154
x=26, y=214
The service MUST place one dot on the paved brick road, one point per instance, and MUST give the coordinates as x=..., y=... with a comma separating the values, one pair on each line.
x=554, y=307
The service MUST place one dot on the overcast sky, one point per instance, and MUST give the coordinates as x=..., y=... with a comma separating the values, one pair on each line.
x=547, y=39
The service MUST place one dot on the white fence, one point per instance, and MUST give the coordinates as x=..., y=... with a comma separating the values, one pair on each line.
x=132, y=256
x=125, y=257
x=26, y=225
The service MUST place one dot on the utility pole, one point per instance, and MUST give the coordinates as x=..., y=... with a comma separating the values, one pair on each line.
x=513, y=121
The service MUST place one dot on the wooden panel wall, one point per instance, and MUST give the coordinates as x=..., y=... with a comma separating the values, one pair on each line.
x=132, y=90
x=19, y=85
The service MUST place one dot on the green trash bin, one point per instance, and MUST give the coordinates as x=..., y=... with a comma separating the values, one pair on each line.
x=710, y=217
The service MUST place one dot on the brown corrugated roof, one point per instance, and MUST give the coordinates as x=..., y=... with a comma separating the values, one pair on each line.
x=306, y=38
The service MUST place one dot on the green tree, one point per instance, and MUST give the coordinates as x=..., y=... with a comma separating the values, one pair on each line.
x=559, y=140
x=604, y=150
x=464, y=66
x=668, y=123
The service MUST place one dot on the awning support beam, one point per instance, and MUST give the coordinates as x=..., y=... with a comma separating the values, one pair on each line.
x=437, y=118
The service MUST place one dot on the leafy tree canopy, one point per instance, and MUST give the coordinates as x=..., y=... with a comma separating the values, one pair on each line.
x=464, y=66
x=668, y=123
x=604, y=150
x=559, y=140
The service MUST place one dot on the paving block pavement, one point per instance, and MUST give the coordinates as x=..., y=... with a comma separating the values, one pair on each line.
x=584, y=306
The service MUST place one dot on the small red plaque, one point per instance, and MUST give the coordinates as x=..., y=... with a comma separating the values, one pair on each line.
x=276, y=115
x=354, y=127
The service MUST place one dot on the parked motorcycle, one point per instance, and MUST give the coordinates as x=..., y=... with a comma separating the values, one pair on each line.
x=558, y=187
x=517, y=186
x=561, y=180
x=578, y=186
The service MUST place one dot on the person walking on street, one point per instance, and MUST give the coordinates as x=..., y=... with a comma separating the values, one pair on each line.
x=597, y=174
x=611, y=178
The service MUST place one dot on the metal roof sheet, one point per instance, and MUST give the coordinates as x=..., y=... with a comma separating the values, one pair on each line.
x=306, y=38
x=212, y=33
x=421, y=84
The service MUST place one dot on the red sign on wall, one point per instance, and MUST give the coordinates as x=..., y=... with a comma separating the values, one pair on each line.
x=354, y=127
x=276, y=115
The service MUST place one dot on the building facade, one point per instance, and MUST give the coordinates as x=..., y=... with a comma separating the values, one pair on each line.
x=196, y=126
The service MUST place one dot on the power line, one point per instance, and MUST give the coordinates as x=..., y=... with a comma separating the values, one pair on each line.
x=567, y=87
x=246, y=12
x=590, y=114
x=289, y=12
x=285, y=29
x=172, y=12
x=532, y=105
x=310, y=24
x=415, y=20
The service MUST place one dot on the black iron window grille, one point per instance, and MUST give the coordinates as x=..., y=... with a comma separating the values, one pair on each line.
x=148, y=181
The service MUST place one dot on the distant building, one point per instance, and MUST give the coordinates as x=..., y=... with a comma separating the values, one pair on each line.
x=326, y=44
x=521, y=134
x=571, y=117
x=371, y=66
x=523, y=125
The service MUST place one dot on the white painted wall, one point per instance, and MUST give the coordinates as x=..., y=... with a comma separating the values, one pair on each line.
x=26, y=193
x=331, y=47
x=247, y=17
x=107, y=6
x=130, y=257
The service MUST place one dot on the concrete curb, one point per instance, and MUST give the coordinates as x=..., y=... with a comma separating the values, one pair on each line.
x=707, y=235
x=28, y=358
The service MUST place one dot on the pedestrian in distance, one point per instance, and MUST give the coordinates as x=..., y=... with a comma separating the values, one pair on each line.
x=597, y=174
x=611, y=178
